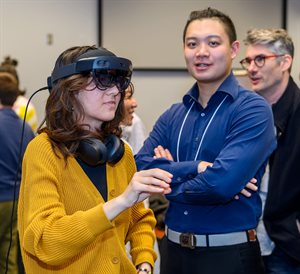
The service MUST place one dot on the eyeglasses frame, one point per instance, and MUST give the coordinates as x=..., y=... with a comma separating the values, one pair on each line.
x=249, y=60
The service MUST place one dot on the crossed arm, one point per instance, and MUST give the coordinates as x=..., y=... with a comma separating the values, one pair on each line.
x=161, y=152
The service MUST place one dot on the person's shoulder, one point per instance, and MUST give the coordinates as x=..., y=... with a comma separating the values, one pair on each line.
x=127, y=148
x=128, y=152
x=250, y=103
x=136, y=117
x=175, y=107
x=295, y=90
x=173, y=113
x=252, y=97
x=127, y=161
x=40, y=150
x=28, y=132
x=136, y=120
x=40, y=142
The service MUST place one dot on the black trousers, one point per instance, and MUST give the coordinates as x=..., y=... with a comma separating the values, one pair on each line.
x=242, y=258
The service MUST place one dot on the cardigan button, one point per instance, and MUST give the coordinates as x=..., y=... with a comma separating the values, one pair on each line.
x=112, y=192
x=115, y=260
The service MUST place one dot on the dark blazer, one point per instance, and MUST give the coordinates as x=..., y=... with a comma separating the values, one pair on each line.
x=283, y=200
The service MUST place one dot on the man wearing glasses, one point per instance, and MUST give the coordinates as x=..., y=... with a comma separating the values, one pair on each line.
x=269, y=57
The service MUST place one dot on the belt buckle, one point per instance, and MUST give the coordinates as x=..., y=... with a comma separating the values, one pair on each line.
x=187, y=240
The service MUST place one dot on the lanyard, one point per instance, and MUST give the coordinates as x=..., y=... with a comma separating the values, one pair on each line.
x=204, y=133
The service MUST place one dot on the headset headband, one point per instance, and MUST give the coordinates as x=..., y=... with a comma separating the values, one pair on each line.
x=89, y=64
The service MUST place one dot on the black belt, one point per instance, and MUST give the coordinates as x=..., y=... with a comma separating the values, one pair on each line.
x=194, y=240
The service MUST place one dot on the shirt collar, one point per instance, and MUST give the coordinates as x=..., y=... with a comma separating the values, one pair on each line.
x=229, y=86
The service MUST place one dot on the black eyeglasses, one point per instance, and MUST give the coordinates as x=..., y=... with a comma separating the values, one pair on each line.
x=105, y=79
x=259, y=60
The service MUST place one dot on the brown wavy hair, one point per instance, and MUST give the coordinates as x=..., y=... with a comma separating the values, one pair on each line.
x=62, y=122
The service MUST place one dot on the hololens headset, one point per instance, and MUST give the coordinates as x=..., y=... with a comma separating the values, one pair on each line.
x=106, y=69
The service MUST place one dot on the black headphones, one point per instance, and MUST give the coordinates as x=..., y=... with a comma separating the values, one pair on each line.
x=93, y=151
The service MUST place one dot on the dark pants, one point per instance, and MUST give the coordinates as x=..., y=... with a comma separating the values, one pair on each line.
x=242, y=258
x=280, y=263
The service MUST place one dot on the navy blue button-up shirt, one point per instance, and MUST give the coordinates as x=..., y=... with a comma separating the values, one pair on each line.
x=235, y=132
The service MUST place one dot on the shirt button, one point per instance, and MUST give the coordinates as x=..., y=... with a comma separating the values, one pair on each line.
x=115, y=260
x=179, y=179
x=202, y=114
x=185, y=212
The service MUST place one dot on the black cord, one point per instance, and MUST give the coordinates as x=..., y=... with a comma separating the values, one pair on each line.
x=16, y=177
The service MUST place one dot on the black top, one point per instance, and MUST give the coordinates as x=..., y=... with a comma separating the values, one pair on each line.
x=283, y=200
x=97, y=175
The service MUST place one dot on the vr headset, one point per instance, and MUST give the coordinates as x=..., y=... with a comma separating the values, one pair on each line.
x=106, y=69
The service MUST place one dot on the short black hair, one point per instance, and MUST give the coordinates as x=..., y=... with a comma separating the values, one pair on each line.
x=211, y=13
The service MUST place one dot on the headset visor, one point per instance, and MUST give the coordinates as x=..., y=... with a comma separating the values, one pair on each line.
x=108, y=78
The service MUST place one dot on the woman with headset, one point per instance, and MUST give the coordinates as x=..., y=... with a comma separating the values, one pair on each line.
x=81, y=197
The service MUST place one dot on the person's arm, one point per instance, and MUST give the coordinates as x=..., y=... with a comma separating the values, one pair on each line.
x=251, y=186
x=55, y=235
x=142, y=185
x=160, y=136
x=248, y=145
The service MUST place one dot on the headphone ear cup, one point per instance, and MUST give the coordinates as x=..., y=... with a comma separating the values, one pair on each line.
x=92, y=151
x=115, y=149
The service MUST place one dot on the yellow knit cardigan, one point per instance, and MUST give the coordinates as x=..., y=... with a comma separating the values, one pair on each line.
x=62, y=225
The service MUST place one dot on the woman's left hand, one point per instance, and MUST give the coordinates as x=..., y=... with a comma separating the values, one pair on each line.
x=147, y=182
x=144, y=268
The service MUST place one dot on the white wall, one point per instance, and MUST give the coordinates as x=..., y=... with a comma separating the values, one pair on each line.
x=156, y=91
x=25, y=26
x=150, y=32
x=293, y=26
